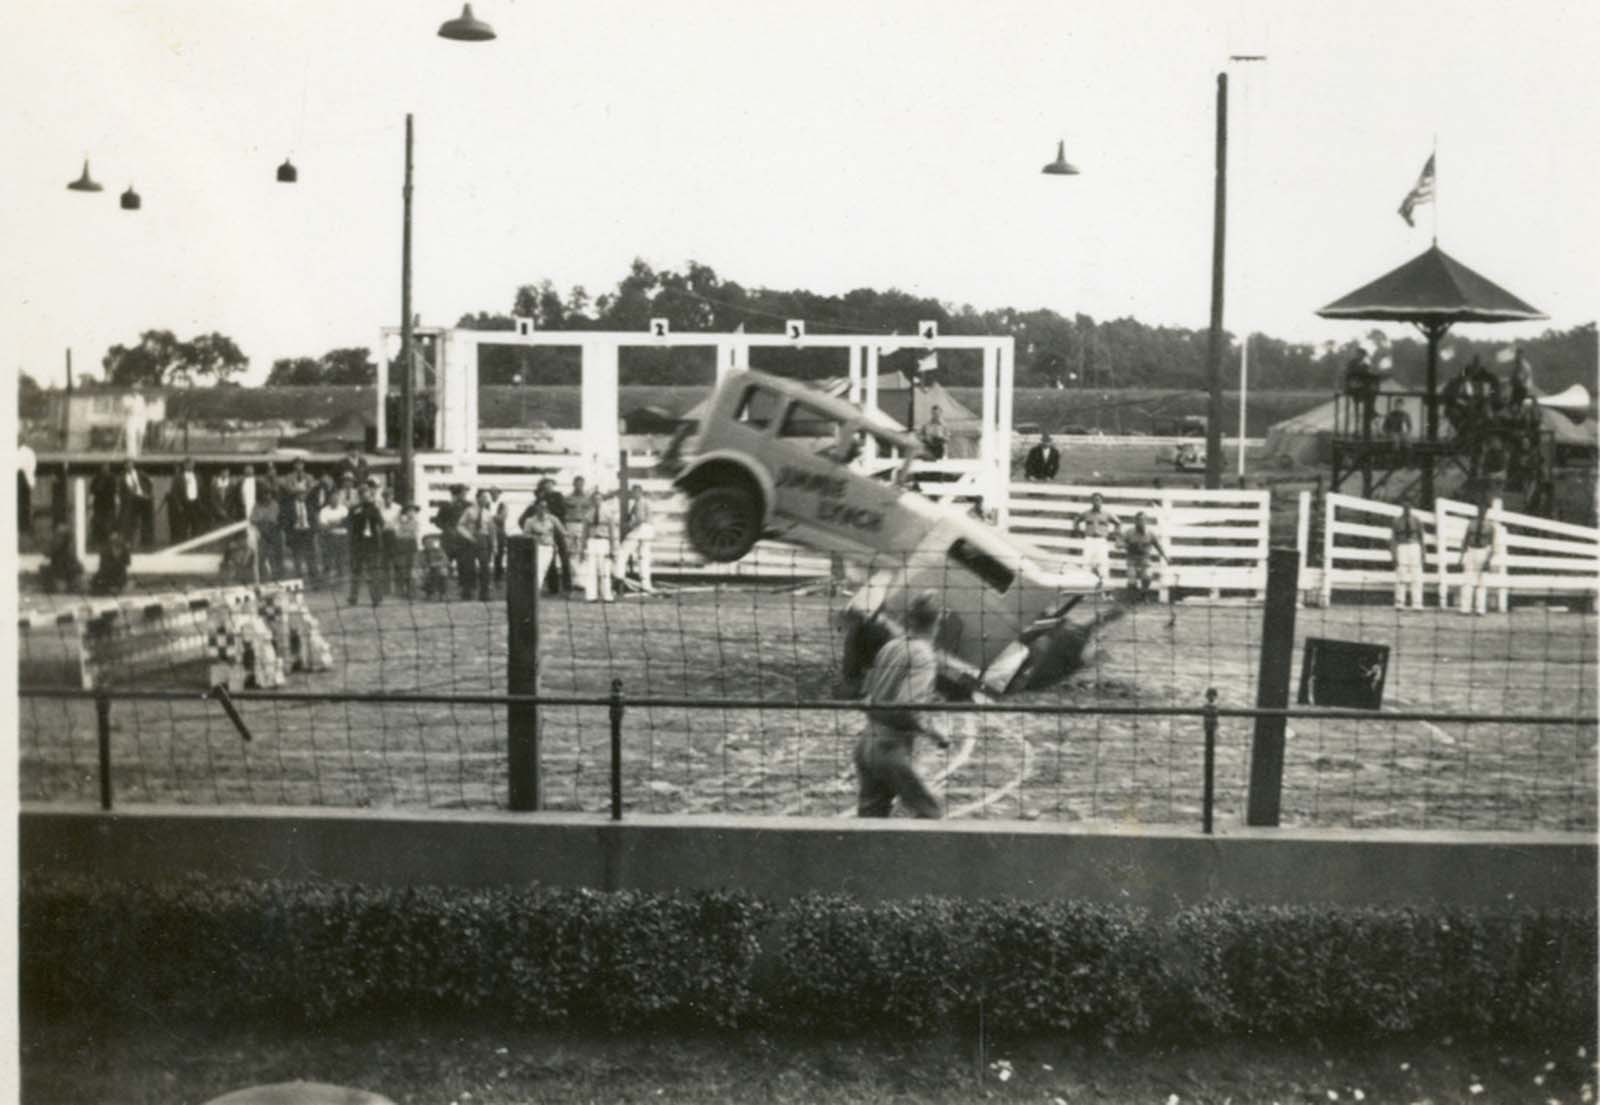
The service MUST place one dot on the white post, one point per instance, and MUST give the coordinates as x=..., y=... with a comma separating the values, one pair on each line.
x=1500, y=554
x=80, y=518
x=1441, y=542
x=1002, y=475
x=1327, y=550
x=383, y=388
x=1169, y=577
x=990, y=407
x=857, y=356
x=247, y=492
x=1244, y=384
x=1302, y=537
x=601, y=443
x=871, y=369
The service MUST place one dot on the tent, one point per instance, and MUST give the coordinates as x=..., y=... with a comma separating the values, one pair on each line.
x=350, y=428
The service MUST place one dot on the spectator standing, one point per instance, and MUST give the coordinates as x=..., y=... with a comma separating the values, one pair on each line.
x=391, y=522
x=902, y=677
x=498, y=511
x=186, y=508
x=575, y=515
x=539, y=523
x=1478, y=552
x=435, y=567
x=1397, y=428
x=111, y=578
x=62, y=569
x=1361, y=385
x=333, y=539
x=105, y=495
x=297, y=526
x=445, y=520
x=298, y=479
x=354, y=465
x=1405, y=543
x=365, y=525
x=1142, y=551
x=1097, y=525
x=407, y=533
x=226, y=501
x=600, y=546
x=1043, y=460
x=269, y=536
x=475, y=528
x=935, y=435
x=638, y=538
x=134, y=501
x=27, y=469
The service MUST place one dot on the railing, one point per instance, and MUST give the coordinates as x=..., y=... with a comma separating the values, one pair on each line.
x=618, y=706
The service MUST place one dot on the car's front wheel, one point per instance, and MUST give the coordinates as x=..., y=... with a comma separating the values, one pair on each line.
x=724, y=523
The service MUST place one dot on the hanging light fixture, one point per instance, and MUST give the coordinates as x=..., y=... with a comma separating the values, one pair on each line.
x=466, y=27
x=130, y=199
x=1060, y=166
x=287, y=173
x=84, y=183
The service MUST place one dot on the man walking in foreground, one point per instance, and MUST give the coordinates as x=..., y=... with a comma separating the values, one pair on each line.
x=902, y=676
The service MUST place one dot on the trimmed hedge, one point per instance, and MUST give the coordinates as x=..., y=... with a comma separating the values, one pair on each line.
x=276, y=950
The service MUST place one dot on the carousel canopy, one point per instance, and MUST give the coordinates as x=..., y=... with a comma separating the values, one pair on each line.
x=1433, y=287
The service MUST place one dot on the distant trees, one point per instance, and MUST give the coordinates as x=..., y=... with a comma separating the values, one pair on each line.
x=351, y=366
x=159, y=359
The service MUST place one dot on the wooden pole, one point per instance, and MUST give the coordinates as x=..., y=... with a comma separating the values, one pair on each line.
x=1215, y=340
x=408, y=372
x=1435, y=333
x=1272, y=685
x=522, y=671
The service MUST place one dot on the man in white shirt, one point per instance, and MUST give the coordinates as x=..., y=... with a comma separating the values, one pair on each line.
x=638, y=537
x=903, y=675
x=601, y=523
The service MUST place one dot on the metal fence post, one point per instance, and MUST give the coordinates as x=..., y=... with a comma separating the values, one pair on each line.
x=102, y=724
x=1209, y=798
x=616, y=749
x=1272, y=687
x=522, y=671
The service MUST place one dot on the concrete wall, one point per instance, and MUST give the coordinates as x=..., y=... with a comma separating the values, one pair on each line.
x=779, y=858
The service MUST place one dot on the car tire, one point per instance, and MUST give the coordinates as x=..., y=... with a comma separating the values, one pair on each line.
x=724, y=523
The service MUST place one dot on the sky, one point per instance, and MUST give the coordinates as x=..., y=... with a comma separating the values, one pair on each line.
x=825, y=145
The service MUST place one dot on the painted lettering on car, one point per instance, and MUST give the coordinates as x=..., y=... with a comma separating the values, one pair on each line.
x=801, y=480
x=846, y=515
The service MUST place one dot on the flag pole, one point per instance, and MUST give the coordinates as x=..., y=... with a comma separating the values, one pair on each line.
x=1435, y=159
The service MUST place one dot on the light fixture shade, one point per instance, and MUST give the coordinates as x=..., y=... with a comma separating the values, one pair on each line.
x=466, y=27
x=84, y=183
x=287, y=173
x=1060, y=166
x=131, y=200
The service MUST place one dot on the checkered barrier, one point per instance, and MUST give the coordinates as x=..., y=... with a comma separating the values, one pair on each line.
x=245, y=636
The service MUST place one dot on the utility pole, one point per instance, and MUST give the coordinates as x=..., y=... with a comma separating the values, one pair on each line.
x=408, y=370
x=1215, y=341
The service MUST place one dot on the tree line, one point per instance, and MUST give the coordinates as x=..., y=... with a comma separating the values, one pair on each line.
x=1053, y=349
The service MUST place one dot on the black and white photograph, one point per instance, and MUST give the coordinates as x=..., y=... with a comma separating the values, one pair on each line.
x=826, y=553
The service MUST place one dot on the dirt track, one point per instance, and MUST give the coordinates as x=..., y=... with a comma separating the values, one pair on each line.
x=779, y=646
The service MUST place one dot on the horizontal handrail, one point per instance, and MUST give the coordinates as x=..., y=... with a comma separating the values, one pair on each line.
x=671, y=702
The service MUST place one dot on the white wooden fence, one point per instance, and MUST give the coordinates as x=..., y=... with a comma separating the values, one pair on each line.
x=1532, y=555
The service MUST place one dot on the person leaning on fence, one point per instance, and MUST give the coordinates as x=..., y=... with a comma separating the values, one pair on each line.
x=638, y=538
x=902, y=677
x=545, y=529
x=1477, y=564
x=1097, y=525
x=1144, y=555
x=1405, y=542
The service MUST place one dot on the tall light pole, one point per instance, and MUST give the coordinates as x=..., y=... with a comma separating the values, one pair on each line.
x=1214, y=340
x=408, y=368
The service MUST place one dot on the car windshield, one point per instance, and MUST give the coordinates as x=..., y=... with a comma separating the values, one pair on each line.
x=758, y=406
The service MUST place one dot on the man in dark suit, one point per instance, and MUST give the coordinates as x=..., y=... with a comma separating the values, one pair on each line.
x=226, y=501
x=1044, y=460
x=134, y=502
x=104, y=505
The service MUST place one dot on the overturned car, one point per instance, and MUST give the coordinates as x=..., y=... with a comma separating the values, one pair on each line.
x=775, y=459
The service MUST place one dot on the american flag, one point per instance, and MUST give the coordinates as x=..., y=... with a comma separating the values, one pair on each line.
x=1422, y=193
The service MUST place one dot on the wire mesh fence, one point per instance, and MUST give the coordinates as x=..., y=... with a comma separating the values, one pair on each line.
x=786, y=644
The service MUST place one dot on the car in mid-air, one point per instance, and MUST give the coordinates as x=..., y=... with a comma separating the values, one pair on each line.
x=775, y=459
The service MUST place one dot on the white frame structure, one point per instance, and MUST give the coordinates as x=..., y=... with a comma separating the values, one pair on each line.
x=456, y=375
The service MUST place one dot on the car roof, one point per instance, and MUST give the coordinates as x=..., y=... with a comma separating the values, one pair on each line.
x=876, y=421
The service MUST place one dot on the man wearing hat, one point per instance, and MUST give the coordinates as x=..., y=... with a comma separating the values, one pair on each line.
x=902, y=676
x=365, y=525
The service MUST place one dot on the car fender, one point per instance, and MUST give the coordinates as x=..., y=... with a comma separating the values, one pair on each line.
x=757, y=472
